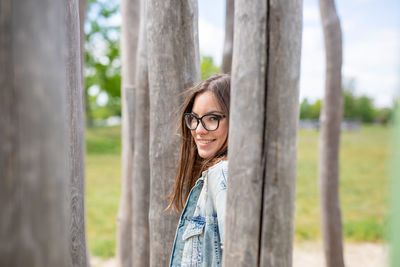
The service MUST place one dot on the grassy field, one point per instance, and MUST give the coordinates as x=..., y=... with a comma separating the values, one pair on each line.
x=364, y=164
x=363, y=187
x=103, y=188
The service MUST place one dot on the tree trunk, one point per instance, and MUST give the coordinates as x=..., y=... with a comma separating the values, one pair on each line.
x=228, y=43
x=141, y=168
x=331, y=116
x=82, y=18
x=174, y=64
x=76, y=133
x=33, y=151
x=263, y=149
x=394, y=197
x=129, y=39
x=83, y=5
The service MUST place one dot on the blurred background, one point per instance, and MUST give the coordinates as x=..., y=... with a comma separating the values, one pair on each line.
x=371, y=69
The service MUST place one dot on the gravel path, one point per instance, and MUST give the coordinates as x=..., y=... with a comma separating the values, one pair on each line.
x=355, y=255
x=310, y=254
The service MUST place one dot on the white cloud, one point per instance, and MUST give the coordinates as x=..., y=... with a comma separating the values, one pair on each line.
x=311, y=14
x=370, y=56
x=312, y=64
x=94, y=90
x=374, y=62
x=102, y=99
x=211, y=39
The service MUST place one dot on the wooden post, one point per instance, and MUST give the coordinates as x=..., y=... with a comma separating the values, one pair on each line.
x=129, y=39
x=395, y=195
x=76, y=133
x=141, y=168
x=331, y=116
x=174, y=64
x=33, y=152
x=82, y=17
x=228, y=43
x=263, y=133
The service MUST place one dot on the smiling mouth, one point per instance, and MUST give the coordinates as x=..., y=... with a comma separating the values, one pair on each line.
x=205, y=142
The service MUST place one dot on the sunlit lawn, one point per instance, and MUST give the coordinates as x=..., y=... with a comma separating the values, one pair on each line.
x=103, y=188
x=364, y=169
x=364, y=159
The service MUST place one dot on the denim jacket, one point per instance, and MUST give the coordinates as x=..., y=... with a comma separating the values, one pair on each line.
x=200, y=232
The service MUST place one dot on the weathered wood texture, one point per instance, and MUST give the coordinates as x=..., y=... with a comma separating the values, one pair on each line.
x=129, y=38
x=33, y=151
x=284, y=49
x=82, y=17
x=76, y=137
x=263, y=133
x=141, y=167
x=228, y=43
x=331, y=116
x=173, y=64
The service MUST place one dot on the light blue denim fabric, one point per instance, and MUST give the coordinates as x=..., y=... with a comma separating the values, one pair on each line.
x=200, y=232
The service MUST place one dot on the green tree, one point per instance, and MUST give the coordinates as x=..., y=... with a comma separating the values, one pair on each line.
x=310, y=111
x=384, y=115
x=315, y=110
x=305, y=108
x=349, y=105
x=208, y=68
x=102, y=66
x=365, y=109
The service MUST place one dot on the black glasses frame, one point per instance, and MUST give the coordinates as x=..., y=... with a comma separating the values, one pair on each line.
x=218, y=116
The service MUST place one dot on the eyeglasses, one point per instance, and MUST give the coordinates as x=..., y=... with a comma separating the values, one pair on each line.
x=210, y=122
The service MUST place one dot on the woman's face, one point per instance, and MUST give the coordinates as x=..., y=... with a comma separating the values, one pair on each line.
x=208, y=142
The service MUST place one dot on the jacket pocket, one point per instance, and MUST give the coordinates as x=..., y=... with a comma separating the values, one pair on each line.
x=195, y=227
x=193, y=243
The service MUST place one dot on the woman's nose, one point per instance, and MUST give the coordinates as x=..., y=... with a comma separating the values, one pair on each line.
x=200, y=129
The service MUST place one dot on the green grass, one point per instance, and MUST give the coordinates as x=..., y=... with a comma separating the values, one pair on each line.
x=103, y=140
x=363, y=186
x=364, y=166
x=103, y=189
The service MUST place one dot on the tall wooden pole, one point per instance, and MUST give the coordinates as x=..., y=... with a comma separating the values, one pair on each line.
x=129, y=38
x=174, y=64
x=76, y=132
x=395, y=196
x=228, y=43
x=82, y=18
x=263, y=133
x=141, y=168
x=33, y=151
x=331, y=116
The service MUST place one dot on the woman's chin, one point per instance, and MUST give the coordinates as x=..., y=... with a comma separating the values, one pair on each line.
x=205, y=154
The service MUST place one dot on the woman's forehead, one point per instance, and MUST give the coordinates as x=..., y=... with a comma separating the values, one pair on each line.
x=205, y=102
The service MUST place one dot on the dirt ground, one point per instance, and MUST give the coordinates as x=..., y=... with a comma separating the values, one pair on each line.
x=355, y=255
x=311, y=255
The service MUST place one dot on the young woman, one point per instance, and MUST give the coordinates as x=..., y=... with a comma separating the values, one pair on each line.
x=202, y=174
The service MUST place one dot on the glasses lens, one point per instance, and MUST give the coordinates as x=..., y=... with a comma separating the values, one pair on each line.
x=211, y=122
x=191, y=121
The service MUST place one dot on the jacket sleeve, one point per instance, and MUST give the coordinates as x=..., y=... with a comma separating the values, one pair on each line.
x=220, y=205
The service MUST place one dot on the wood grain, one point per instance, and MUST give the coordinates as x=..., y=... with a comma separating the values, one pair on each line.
x=141, y=165
x=33, y=155
x=173, y=65
x=76, y=134
x=228, y=42
x=129, y=39
x=331, y=116
x=263, y=133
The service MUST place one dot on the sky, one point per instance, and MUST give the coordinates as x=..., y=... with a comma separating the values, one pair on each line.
x=371, y=46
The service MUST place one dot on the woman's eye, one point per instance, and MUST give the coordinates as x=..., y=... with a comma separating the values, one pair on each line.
x=214, y=118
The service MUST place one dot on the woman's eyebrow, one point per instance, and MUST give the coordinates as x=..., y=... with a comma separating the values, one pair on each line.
x=210, y=112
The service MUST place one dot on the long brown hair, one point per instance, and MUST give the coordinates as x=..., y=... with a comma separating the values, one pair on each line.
x=191, y=165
